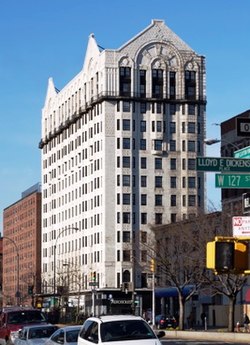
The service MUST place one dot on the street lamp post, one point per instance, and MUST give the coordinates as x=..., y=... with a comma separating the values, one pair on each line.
x=17, y=258
x=216, y=141
x=54, y=282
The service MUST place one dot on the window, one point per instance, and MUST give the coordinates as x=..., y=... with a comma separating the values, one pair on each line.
x=144, y=255
x=126, y=180
x=126, y=143
x=172, y=84
x=126, y=199
x=173, y=217
x=158, y=218
x=157, y=83
x=143, y=83
x=126, y=255
x=158, y=145
x=191, y=109
x=126, y=236
x=143, y=126
x=158, y=163
x=172, y=109
x=191, y=182
x=172, y=127
x=143, y=181
x=191, y=146
x=143, y=218
x=173, y=200
x=143, y=163
x=158, y=200
x=172, y=145
x=159, y=126
x=143, y=144
x=191, y=127
x=173, y=181
x=191, y=164
x=126, y=218
x=190, y=84
x=158, y=181
x=126, y=106
x=126, y=162
x=191, y=200
x=143, y=199
x=143, y=107
x=173, y=163
x=126, y=125
x=125, y=81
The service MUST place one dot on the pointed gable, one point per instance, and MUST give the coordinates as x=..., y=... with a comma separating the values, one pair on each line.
x=91, y=53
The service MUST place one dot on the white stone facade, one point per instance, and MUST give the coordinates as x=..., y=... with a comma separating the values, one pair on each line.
x=119, y=144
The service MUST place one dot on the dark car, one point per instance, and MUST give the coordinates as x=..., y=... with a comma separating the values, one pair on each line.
x=163, y=321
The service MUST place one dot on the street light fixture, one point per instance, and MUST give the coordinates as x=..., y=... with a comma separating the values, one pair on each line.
x=17, y=258
x=215, y=141
x=60, y=233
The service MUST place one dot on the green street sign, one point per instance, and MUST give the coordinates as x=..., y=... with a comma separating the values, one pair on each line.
x=232, y=181
x=223, y=164
x=242, y=153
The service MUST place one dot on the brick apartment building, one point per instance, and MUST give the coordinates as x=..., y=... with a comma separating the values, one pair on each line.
x=22, y=248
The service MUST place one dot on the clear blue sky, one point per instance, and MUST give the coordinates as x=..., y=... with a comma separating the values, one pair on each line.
x=47, y=38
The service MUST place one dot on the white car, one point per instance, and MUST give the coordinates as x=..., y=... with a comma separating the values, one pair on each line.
x=118, y=330
x=64, y=336
x=34, y=335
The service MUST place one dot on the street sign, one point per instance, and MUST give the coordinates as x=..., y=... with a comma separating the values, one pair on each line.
x=224, y=164
x=242, y=153
x=243, y=126
x=232, y=180
x=245, y=203
x=241, y=226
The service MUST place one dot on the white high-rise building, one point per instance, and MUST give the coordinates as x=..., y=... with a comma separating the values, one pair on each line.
x=119, y=145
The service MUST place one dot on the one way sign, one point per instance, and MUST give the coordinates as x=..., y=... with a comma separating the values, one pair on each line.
x=243, y=127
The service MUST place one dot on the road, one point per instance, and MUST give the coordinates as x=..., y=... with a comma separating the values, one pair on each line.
x=194, y=342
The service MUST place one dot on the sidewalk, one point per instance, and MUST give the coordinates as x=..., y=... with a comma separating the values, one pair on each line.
x=209, y=335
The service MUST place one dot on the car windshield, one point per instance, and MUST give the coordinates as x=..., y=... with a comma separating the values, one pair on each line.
x=28, y=316
x=71, y=336
x=126, y=330
x=44, y=332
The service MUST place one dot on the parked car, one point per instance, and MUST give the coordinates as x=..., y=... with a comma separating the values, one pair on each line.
x=67, y=335
x=163, y=321
x=118, y=329
x=12, y=319
x=34, y=335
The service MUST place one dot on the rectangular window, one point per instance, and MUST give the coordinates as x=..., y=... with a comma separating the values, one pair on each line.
x=191, y=127
x=158, y=200
x=125, y=81
x=143, y=144
x=172, y=109
x=191, y=182
x=143, y=181
x=126, y=162
x=158, y=181
x=157, y=83
x=143, y=218
x=126, y=143
x=190, y=84
x=143, y=83
x=158, y=145
x=126, y=236
x=158, y=126
x=126, y=180
x=158, y=108
x=126, y=106
x=143, y=107
x=172, y=127
x=143, y=163
x=158, y=218
x=173, y=200
x=191, y=109
x=158, y=163
x=126, y=199
x=191, y=164
x=173, y=164
x=191, y=146
x=126, y=218
x=126, y=255
x=143, y=199
x=143, y=127
x=172, y=145
x=173, y=180
x=191, y=200
x=172, y=85
x=125, y=125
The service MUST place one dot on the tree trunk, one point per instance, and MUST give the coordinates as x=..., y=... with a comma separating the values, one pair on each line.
x=232, y=301
x=181, y=312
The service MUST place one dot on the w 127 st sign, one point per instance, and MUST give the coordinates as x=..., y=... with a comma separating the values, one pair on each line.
x=224, y=164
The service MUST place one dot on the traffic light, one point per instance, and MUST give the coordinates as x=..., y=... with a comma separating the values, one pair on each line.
x=227, y=255
x=152, y=265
